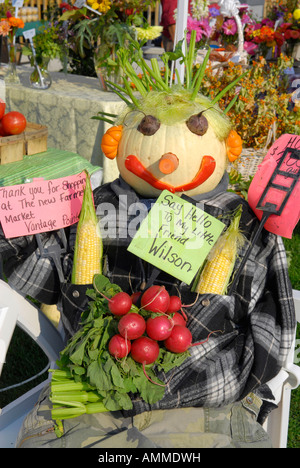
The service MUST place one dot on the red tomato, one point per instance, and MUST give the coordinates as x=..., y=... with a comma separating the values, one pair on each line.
x=13, y=123
x=2, y=132
x=2, y=108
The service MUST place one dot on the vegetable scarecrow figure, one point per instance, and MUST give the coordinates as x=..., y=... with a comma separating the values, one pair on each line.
x=172, y=138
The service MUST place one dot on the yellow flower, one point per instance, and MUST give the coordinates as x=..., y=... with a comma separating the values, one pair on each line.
x=148, y=33
x=101, y=5
x=296, y=14
x=104, y=6
x=256, y=33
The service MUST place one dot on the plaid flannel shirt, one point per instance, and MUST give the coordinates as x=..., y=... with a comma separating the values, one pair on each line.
x=257, y=320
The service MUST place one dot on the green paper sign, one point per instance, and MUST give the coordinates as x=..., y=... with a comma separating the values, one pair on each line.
x=176, y=236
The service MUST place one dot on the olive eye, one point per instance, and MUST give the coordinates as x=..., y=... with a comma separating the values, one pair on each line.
x=197, y=124
x=148, y=125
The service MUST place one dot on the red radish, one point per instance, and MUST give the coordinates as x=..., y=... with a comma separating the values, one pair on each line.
x=179, y=340
x=118, y=346
x=144, y=350
x=159, y=328
x=155, y=299
x=178, y=319
x=135, y=296
x=175, y=304
x=120, y=304
x=132, y=326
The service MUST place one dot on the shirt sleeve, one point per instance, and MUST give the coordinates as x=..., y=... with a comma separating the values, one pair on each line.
x=167, y=17
x=31, y=272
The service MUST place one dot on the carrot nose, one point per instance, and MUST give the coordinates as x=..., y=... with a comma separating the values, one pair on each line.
x=168, y=163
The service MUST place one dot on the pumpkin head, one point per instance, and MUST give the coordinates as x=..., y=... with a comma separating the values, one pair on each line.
x=171, y=137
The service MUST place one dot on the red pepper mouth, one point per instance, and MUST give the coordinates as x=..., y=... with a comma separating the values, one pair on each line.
x=207, y=167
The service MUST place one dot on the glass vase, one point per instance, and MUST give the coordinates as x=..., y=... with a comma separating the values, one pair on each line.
x=11, y=75
x=104, y=69
x=40, y=78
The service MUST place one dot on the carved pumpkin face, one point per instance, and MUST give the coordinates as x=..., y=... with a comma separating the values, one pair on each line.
x=199, y=161
x=183, y=147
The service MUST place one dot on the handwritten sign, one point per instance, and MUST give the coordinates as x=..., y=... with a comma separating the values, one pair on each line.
x=176, y=236
x=284, y=224
x=17, y=3
x=81, y=3
x=42, y=205
x=29, y=34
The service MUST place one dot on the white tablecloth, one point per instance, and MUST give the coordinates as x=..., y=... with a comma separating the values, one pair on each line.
x=66, y=109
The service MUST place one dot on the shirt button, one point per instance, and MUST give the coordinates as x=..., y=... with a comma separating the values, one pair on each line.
x=249, y=400
x=205, y=302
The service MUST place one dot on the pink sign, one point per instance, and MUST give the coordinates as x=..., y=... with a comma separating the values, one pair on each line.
x=282, y=224
x=42, y=205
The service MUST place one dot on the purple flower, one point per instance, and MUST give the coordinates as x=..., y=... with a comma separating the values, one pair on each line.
x=229, y=27
x=214, y=12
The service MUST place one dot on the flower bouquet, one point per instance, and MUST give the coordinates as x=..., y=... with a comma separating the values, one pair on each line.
x=278, y=32
x=8, y=28
x=260, y=107
x=99, y=36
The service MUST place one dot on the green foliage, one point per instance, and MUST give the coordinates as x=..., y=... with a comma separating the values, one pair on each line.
x=46, y=44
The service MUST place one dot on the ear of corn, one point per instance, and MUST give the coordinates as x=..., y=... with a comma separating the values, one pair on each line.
x=88, y=246
x=217, y=271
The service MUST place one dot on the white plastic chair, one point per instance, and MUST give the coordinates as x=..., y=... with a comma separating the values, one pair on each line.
x=16, y=310
x=286, y=380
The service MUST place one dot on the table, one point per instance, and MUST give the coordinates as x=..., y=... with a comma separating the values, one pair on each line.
x=51, y=164
x=66, y=109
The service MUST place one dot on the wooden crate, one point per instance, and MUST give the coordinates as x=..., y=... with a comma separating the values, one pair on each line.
x=33, y=140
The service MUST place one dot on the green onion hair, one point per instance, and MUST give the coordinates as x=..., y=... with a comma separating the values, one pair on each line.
x=160, y=97
x=175, y=106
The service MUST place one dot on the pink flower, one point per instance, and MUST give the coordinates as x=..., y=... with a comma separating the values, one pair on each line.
x=204, y=25
x=267, y=22
x=201, y=27
x=229, y=27
x=250, y=48
x=4, y=27
x=192, y=23
x=245, y=19
x=243, y=7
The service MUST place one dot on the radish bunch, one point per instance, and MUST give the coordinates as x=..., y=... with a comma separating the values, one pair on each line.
x=141, y=336
x=120, y=344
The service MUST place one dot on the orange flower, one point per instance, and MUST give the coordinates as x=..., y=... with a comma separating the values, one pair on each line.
x=16, y=22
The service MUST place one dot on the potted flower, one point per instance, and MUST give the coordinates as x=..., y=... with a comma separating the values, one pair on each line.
x=46, y=45
x=8, y=27
x=104, y=33
x=278, y=32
